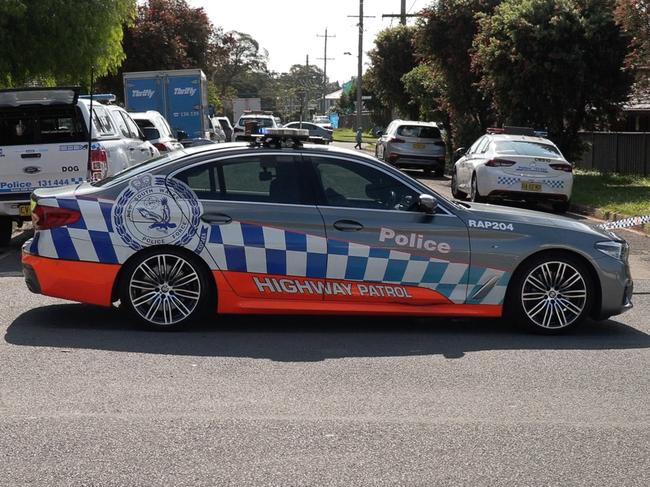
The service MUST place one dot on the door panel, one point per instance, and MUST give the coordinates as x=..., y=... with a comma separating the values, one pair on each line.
x=381, y=245
x=262, y=236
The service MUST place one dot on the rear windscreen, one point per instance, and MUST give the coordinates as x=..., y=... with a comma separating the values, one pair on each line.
x=41, y=125
x=419, y=131
x=525, y=148
x=261, y=122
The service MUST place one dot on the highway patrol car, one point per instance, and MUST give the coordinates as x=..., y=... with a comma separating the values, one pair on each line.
x=279, y=226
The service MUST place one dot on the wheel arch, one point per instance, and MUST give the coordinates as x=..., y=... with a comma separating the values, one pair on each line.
x=115, y=292
x=596, y=303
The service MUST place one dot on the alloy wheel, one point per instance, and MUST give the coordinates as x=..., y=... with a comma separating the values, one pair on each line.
x=554, y=295
x=164, y=289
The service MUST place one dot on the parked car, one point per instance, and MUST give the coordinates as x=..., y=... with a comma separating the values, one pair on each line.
x=314, y=130
x=226, y=126
x=217, y=134
x=278, y=226
x=256, y=119
x=156, y=130
x=323, y=121
x=415, y=145
x=513, y=163
x=44, y=143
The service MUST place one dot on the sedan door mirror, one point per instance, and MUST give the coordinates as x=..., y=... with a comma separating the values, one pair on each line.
x=181, y=134
x=460, y=152
x=427, y=204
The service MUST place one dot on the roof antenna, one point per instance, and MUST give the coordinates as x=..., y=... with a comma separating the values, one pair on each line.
x=90, y=120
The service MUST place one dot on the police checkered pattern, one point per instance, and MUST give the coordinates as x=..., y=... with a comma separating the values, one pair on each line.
x=507, y=180
x=626, y=222
x=253, y=248
x=244, y=247
x=554, y=183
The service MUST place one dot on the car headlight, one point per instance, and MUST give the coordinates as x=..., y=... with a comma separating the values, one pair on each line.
x=614, y=248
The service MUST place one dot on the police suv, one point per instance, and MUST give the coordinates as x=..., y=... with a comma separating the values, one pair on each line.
x=44, y=144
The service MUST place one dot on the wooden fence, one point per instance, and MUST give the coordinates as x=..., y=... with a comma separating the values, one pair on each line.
x=620, y=152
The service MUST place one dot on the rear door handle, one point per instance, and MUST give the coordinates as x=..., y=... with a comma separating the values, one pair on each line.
x=31, y=155
x=348, y=226
x=216, y=218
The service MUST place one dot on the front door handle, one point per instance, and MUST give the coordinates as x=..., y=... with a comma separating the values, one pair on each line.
x=348, y=226
x=216, y=218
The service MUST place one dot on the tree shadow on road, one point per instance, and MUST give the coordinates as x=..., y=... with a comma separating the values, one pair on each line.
x=302, y=339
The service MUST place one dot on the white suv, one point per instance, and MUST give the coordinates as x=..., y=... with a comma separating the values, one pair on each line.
x=44, y=143
x=258, y=119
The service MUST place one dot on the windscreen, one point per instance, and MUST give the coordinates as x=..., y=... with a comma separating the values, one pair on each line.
x=419, y=131
x=41, y=125
x=525, y=148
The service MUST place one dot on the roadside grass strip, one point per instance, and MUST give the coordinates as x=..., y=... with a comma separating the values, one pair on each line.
x=614, y=193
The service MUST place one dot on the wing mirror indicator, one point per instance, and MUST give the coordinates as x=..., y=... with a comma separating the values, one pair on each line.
x=428, y=204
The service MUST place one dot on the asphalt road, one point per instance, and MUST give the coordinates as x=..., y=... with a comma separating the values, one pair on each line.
x=88, y=398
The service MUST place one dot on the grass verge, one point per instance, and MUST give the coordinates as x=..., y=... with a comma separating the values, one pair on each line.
x=628, y=194
x=349, y=135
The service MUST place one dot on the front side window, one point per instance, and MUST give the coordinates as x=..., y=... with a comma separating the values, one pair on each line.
x=263, y=178
x=121, y=125
x=133, y=128
x=354, y=185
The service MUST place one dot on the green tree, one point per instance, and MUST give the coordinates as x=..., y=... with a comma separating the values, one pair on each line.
x=444, y=39
x=634, y=17
x=554, y=64
x=393, y=57
x=167, y=34
x=423, y=88
x=59, y=40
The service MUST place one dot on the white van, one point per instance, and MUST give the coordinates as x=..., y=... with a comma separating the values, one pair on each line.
x=44, y=143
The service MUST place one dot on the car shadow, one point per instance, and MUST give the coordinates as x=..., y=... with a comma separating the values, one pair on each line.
x=10, y=264
x=302, y=339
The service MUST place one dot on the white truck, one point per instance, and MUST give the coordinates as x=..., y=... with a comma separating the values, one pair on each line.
x=44, y=143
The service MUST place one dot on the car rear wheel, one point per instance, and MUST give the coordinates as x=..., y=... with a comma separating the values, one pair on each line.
x=439, y=172
x=474, y=195
x=6, y=226
x=455, y=192
x=551, y=294
x=166, y=289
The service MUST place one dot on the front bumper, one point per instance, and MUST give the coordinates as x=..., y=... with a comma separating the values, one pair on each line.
x=84, y=282
x=617, y=288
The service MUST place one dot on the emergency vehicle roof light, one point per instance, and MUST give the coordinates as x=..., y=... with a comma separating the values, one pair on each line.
x=508, y=130
x=279, y=137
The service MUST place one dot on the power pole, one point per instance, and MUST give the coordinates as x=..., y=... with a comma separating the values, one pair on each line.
x=402, y=15
x=325, y=59
x=360, y=63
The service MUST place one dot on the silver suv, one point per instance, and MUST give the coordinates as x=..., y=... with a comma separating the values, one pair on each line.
x=410, y=144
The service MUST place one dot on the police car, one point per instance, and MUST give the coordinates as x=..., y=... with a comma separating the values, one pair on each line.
x=280, y=226
x=513, y=163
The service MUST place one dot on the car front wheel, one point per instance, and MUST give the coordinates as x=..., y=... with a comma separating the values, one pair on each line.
x=166, y=289
x=551, y=294
x=455, y=192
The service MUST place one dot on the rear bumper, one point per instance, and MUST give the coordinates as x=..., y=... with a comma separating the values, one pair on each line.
x=406, y=160
x=85, y=282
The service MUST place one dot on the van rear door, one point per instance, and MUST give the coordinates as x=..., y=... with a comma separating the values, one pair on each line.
x=43, y=141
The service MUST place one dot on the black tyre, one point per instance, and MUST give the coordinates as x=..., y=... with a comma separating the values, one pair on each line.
x=550, y=294
x=427, y=171
x=6, y=226
x=167, y=288
x=439, y=172
x=474, y=195
x=561, y=207
x=455, y=192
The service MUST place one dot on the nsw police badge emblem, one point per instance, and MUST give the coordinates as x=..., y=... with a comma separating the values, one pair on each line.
x=153, y=210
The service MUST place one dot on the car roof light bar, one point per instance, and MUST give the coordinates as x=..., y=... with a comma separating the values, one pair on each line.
x=107, y=97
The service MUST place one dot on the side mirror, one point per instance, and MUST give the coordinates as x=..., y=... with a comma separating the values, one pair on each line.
x=427, y=204
x=379, y=133
x=181, y=135
x=460, y=152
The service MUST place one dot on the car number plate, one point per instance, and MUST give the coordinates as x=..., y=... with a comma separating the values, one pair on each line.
x=527, y=186
x=24, y=210
x=419, y=145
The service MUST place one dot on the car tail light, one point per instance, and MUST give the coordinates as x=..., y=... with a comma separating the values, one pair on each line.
x=46, y=217
x=161, y=147
x=499, y=163
x=562, y=167
x=396, y=140
x=98, y=164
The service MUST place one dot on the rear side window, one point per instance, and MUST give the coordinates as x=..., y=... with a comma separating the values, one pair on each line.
x=525, y=148
x=419, y=131
x=102, y=121
x=41, y=125
x=263, y=179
